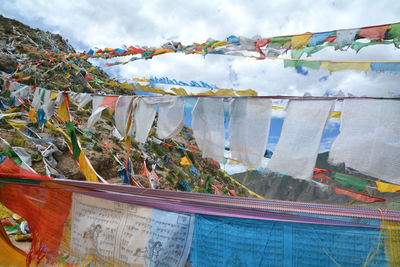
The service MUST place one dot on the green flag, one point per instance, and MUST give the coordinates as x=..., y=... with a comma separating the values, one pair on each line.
x=76, y=150
x=350, y=182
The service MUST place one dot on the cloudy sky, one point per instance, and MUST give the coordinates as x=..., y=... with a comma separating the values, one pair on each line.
x=98, y=23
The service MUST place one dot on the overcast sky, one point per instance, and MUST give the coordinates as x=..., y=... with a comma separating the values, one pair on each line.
x=98, y=23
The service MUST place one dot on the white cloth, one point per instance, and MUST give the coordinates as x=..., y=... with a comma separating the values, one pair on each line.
x=302, y=130
x=170, y=117
x=80, y=99
x=249, y=129
x=144, y=117
x=116, y=134
x=23, y=155
x=248, y=44
x=123, y=109
x=36, y=101
x=344, y=37
x=369, y=139
x=60, y=98
x=22, y=92
x=96, y=111
x=208, y=127
x=48, y=105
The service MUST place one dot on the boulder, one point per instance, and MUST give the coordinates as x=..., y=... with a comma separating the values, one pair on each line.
x=7, y=63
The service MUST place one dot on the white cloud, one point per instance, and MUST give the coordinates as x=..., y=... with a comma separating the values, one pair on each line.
x=88, y=24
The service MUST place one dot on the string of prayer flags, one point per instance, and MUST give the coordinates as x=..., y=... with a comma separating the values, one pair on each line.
x=265, y=47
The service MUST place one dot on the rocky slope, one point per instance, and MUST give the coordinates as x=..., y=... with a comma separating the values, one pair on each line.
x=37, y=58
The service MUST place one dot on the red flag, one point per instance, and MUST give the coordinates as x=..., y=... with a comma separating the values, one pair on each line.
x=11, y=169
x=317, y=170
x=358, y=196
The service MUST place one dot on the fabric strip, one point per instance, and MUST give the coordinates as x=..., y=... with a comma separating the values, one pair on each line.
x=249, y=129
x=298, y=145
x=208, y=127
x=369, y=139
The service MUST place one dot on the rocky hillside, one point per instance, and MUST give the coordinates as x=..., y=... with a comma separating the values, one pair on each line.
x=40, y=59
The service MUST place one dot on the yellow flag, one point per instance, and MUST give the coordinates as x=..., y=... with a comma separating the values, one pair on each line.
x=221, y=43
x=276, y=107
x=185, y=161
x=225, y=92
x=300, y=41
x=141, y=79
x=209, y=92
x=54, y=128
x=112, y=83
x=10, y=110
x=126, y=85
x=62, y=112
x=53, y=95
x=392, y=241
x=16, y=124
x=336, y=114
x=10, y=255
x=338, y=66
x=147, y=88
x=179, y=91
x=248, y=92
x=86, y=168
x=4, y=212
x=385, y=187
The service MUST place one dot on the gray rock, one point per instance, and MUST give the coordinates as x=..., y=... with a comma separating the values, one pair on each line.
x=7, y=63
